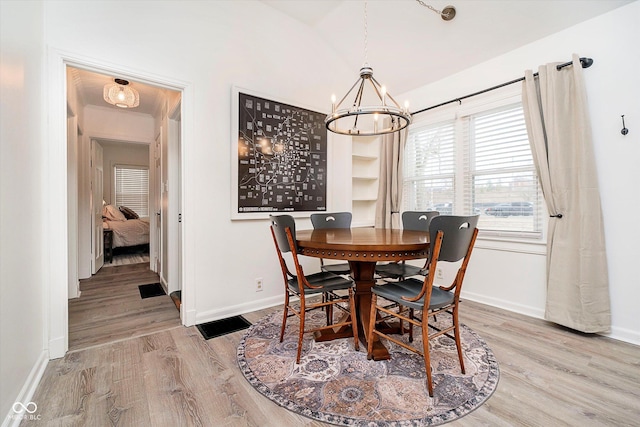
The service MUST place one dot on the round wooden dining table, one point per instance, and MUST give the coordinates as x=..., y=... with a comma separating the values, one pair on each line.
x=362, y=248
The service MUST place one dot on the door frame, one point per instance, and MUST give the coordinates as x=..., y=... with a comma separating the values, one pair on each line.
x=174, y=219
x=155, y=217
x=55, y=191
x=95, y=205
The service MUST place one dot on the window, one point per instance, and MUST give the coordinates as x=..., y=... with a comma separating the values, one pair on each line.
x=132, y=188
x=429, y=168
x=478, y=162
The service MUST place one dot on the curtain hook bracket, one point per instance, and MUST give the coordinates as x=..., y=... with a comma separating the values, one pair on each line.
x=624, y=130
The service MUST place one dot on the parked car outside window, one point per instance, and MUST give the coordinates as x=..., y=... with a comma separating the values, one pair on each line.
x=511, y=209
x=443, y=208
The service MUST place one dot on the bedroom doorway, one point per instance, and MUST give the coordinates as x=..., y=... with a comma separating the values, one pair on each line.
x=104, y=127
x=120, y=203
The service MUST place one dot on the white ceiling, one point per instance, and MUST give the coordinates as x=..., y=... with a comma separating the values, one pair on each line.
x=408, y=45
x=90, y=87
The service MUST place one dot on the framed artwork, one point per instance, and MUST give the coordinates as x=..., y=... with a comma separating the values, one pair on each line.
x=279, y=157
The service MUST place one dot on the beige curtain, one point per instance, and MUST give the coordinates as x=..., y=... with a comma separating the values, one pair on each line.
x=559, y=130
x=390, y=183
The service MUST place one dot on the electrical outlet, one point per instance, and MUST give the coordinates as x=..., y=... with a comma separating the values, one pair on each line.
x=259, y=284
x=439, y=274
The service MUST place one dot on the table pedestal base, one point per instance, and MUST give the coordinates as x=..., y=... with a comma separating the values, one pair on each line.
x=363, y=275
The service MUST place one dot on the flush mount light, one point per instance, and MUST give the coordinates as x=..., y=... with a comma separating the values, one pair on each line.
x=120, y=94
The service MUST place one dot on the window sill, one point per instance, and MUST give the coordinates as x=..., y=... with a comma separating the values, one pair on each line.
x=512, y=244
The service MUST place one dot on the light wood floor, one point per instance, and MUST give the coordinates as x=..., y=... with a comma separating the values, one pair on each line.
x=549, y=377
x=125, y=259
x=110, y=308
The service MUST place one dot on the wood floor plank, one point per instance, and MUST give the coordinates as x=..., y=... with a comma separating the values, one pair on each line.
x=125, y=392
x=549, y=375
x=110, y=307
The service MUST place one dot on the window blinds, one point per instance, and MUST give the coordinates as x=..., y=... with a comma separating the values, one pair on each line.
x=132, y=188
x=478, y=163
x=429, y=172
x=502, y=181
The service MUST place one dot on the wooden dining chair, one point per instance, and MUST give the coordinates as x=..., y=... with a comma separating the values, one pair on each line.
x=411, y=220
x=283, y=230
x=451, y=239
x=332, y=220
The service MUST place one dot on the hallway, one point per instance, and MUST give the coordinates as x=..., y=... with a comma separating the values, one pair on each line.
x=110, y=308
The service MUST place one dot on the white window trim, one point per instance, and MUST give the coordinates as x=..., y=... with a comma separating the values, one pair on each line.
x=488, y=239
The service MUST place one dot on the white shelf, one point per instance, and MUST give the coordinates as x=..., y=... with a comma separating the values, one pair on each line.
x=365, y=164
x=364, y=157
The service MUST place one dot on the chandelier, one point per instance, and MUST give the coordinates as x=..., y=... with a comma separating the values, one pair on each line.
x=120, y=94
x=373, y=110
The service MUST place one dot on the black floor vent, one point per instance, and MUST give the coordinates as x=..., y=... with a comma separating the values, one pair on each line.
x=223, y=326
x=151, y=290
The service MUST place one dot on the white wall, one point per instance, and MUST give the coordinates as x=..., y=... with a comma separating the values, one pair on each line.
x=210, y=46
x=613, y=88
x=23, y=164
x=118, y=125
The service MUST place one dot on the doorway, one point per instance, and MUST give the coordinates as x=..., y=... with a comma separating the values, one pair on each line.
x=58, y=320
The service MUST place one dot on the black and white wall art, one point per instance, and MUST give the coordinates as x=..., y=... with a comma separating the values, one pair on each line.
x=279, y=158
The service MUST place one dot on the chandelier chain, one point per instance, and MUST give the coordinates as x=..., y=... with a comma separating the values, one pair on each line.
x=366, y=33
x=428, y=6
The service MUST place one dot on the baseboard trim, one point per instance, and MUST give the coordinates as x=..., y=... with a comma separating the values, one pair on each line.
x=57, y=348
x=504, y=304
x=235, y=310
x=189, y=317
x=13, y=419
x=165, y=285
x=623, y=334
x=619, y=334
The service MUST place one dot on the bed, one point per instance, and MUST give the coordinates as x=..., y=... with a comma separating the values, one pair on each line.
x=128, y=228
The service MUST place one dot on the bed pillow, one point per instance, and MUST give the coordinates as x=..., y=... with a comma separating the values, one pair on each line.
x=128, y=213
x=112, y=214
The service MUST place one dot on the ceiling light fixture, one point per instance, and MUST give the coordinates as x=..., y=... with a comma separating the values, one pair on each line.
x=120, y=94
x=371, y=105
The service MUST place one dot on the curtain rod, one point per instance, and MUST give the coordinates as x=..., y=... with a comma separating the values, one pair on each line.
x=586, y=63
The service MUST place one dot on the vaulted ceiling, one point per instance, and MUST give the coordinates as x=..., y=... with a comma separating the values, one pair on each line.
x=408, y=44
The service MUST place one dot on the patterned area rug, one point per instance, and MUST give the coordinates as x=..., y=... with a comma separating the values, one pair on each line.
x=335, y=384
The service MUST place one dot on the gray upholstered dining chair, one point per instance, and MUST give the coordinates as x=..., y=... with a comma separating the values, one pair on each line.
x=283, y=230
x=332, y=220
x=411, y=220
x=452, y=240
